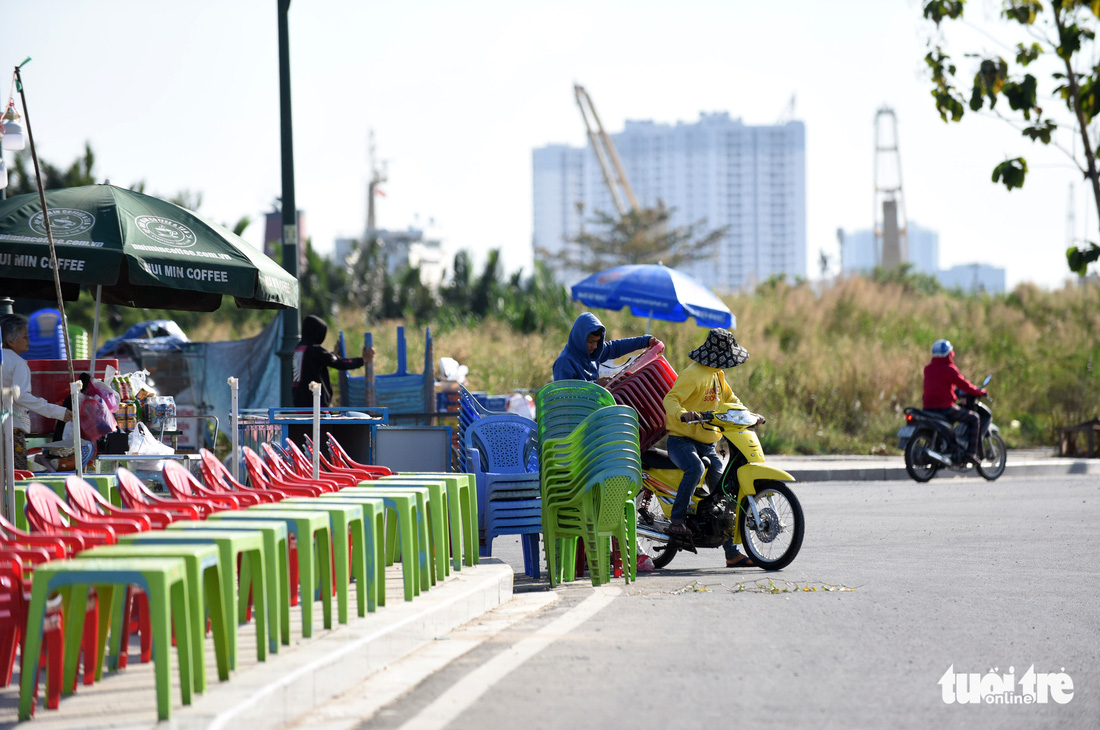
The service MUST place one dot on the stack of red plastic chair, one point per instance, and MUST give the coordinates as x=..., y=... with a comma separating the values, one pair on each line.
x=30, y=549
x=90, y=504
x=286, y=473
x=303, y=465
x=263, y=477
x=360, y=471
x=643, y=385
x=187, y=488
x=218, y=478
x=136, y=496
x=340, y=458
x=49, y=514
x=15, y=588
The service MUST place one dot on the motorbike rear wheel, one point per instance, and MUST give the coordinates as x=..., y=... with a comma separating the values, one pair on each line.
x=917, y=463
x=651, y=516
x=775, y=541
x=992, y=464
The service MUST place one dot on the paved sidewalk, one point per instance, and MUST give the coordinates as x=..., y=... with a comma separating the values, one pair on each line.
x=289, y=685
x=1020, y=462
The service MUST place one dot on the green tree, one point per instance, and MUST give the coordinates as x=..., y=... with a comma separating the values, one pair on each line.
x=640, y=236
x=22, y=180
x=1058, y=43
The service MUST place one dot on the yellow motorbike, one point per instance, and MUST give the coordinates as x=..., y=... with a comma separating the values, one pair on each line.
x=744, y=499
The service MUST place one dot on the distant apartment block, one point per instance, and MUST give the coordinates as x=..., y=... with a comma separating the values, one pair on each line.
x=410, y=247
x=857, y=251
x=750, y=178
x=857, y=256
x=974, y=278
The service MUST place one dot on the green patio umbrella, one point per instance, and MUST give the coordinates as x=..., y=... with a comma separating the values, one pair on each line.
x=142, y=251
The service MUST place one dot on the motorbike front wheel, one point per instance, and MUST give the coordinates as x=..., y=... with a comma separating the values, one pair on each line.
x=775, y=541
x=917, y=462
x=993, y=460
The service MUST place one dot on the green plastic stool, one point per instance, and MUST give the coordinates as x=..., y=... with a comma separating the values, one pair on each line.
x=164, y=581
x=365, y=543
x=231, y=545
x=345, y=520
x=311, y=529
x=466, y=500
x=439, y=526
x=395, y=549
x=374, y=530
x=204, y=577
x=278, y=573
x=404, y=511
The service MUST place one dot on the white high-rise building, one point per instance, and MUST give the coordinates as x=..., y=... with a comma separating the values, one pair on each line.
x=857, y=251
x=752, y=179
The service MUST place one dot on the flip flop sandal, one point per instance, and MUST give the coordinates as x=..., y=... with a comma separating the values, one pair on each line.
x=741, y=561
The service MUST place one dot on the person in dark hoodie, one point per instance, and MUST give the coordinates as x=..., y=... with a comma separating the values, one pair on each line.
x=581, y=357
x=312, y=361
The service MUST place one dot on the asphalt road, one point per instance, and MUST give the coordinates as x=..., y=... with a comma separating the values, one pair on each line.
x=905, y=581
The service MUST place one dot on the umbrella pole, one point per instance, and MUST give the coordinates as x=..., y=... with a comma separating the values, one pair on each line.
x=95, y=326
x=49, y=231
x=7, y=418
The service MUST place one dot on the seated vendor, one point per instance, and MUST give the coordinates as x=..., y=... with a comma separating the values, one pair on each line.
x=13, y=330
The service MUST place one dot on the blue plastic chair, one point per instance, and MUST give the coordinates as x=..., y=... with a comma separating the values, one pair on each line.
x=498, y=451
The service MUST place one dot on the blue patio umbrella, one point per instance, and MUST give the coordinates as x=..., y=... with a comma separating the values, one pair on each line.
x=655, y=291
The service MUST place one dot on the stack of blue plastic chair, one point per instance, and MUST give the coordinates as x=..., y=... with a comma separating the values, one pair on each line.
x=400, y=391
x=47, y=339
x=498, y=450
x=469, y=410
x=589, y=472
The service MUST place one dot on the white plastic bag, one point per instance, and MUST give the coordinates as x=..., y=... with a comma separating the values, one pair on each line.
x=142, y=441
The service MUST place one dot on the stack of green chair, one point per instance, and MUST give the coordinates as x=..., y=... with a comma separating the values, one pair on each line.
x=589, y=473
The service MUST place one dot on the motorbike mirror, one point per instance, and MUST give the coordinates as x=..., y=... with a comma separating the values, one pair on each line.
x=987, y=379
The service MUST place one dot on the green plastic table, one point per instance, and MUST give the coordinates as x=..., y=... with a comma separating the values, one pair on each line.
x=277, y=572
x=311, y=530
x=107, y=484
x=346, y=523
x=164, y=581
x=204, y=577
x=231, y=545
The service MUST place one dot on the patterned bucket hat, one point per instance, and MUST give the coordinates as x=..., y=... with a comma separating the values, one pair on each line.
x=719, y=351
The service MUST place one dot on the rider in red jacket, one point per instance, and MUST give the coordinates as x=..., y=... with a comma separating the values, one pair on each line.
x=941, y=377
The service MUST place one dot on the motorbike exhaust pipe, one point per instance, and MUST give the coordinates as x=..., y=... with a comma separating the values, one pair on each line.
x=652, y=534
x=938, y=457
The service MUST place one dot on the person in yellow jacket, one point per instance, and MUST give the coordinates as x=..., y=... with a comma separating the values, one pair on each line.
x=701, y=386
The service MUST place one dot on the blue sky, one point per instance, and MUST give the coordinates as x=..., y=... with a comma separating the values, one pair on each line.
x=185, y=96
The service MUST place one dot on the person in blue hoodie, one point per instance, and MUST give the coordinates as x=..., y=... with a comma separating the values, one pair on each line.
x=581, y=357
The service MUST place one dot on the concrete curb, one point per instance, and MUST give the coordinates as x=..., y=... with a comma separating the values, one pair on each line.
x=855, y=471
x=302, y=677
x=293, y=683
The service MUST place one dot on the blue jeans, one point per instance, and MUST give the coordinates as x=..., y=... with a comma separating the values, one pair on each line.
x=688, y=454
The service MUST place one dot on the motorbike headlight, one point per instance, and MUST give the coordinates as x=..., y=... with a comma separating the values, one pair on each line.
x=738, y=418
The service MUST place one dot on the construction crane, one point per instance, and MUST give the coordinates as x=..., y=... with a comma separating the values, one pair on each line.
x=610, y=164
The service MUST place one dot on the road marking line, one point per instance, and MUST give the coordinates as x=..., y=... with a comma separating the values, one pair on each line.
x=363, y=701
x=223, y=719
x=470, y=688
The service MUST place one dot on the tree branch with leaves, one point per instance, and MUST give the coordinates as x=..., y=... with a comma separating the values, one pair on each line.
x=1062, y=35
x=641, y=236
